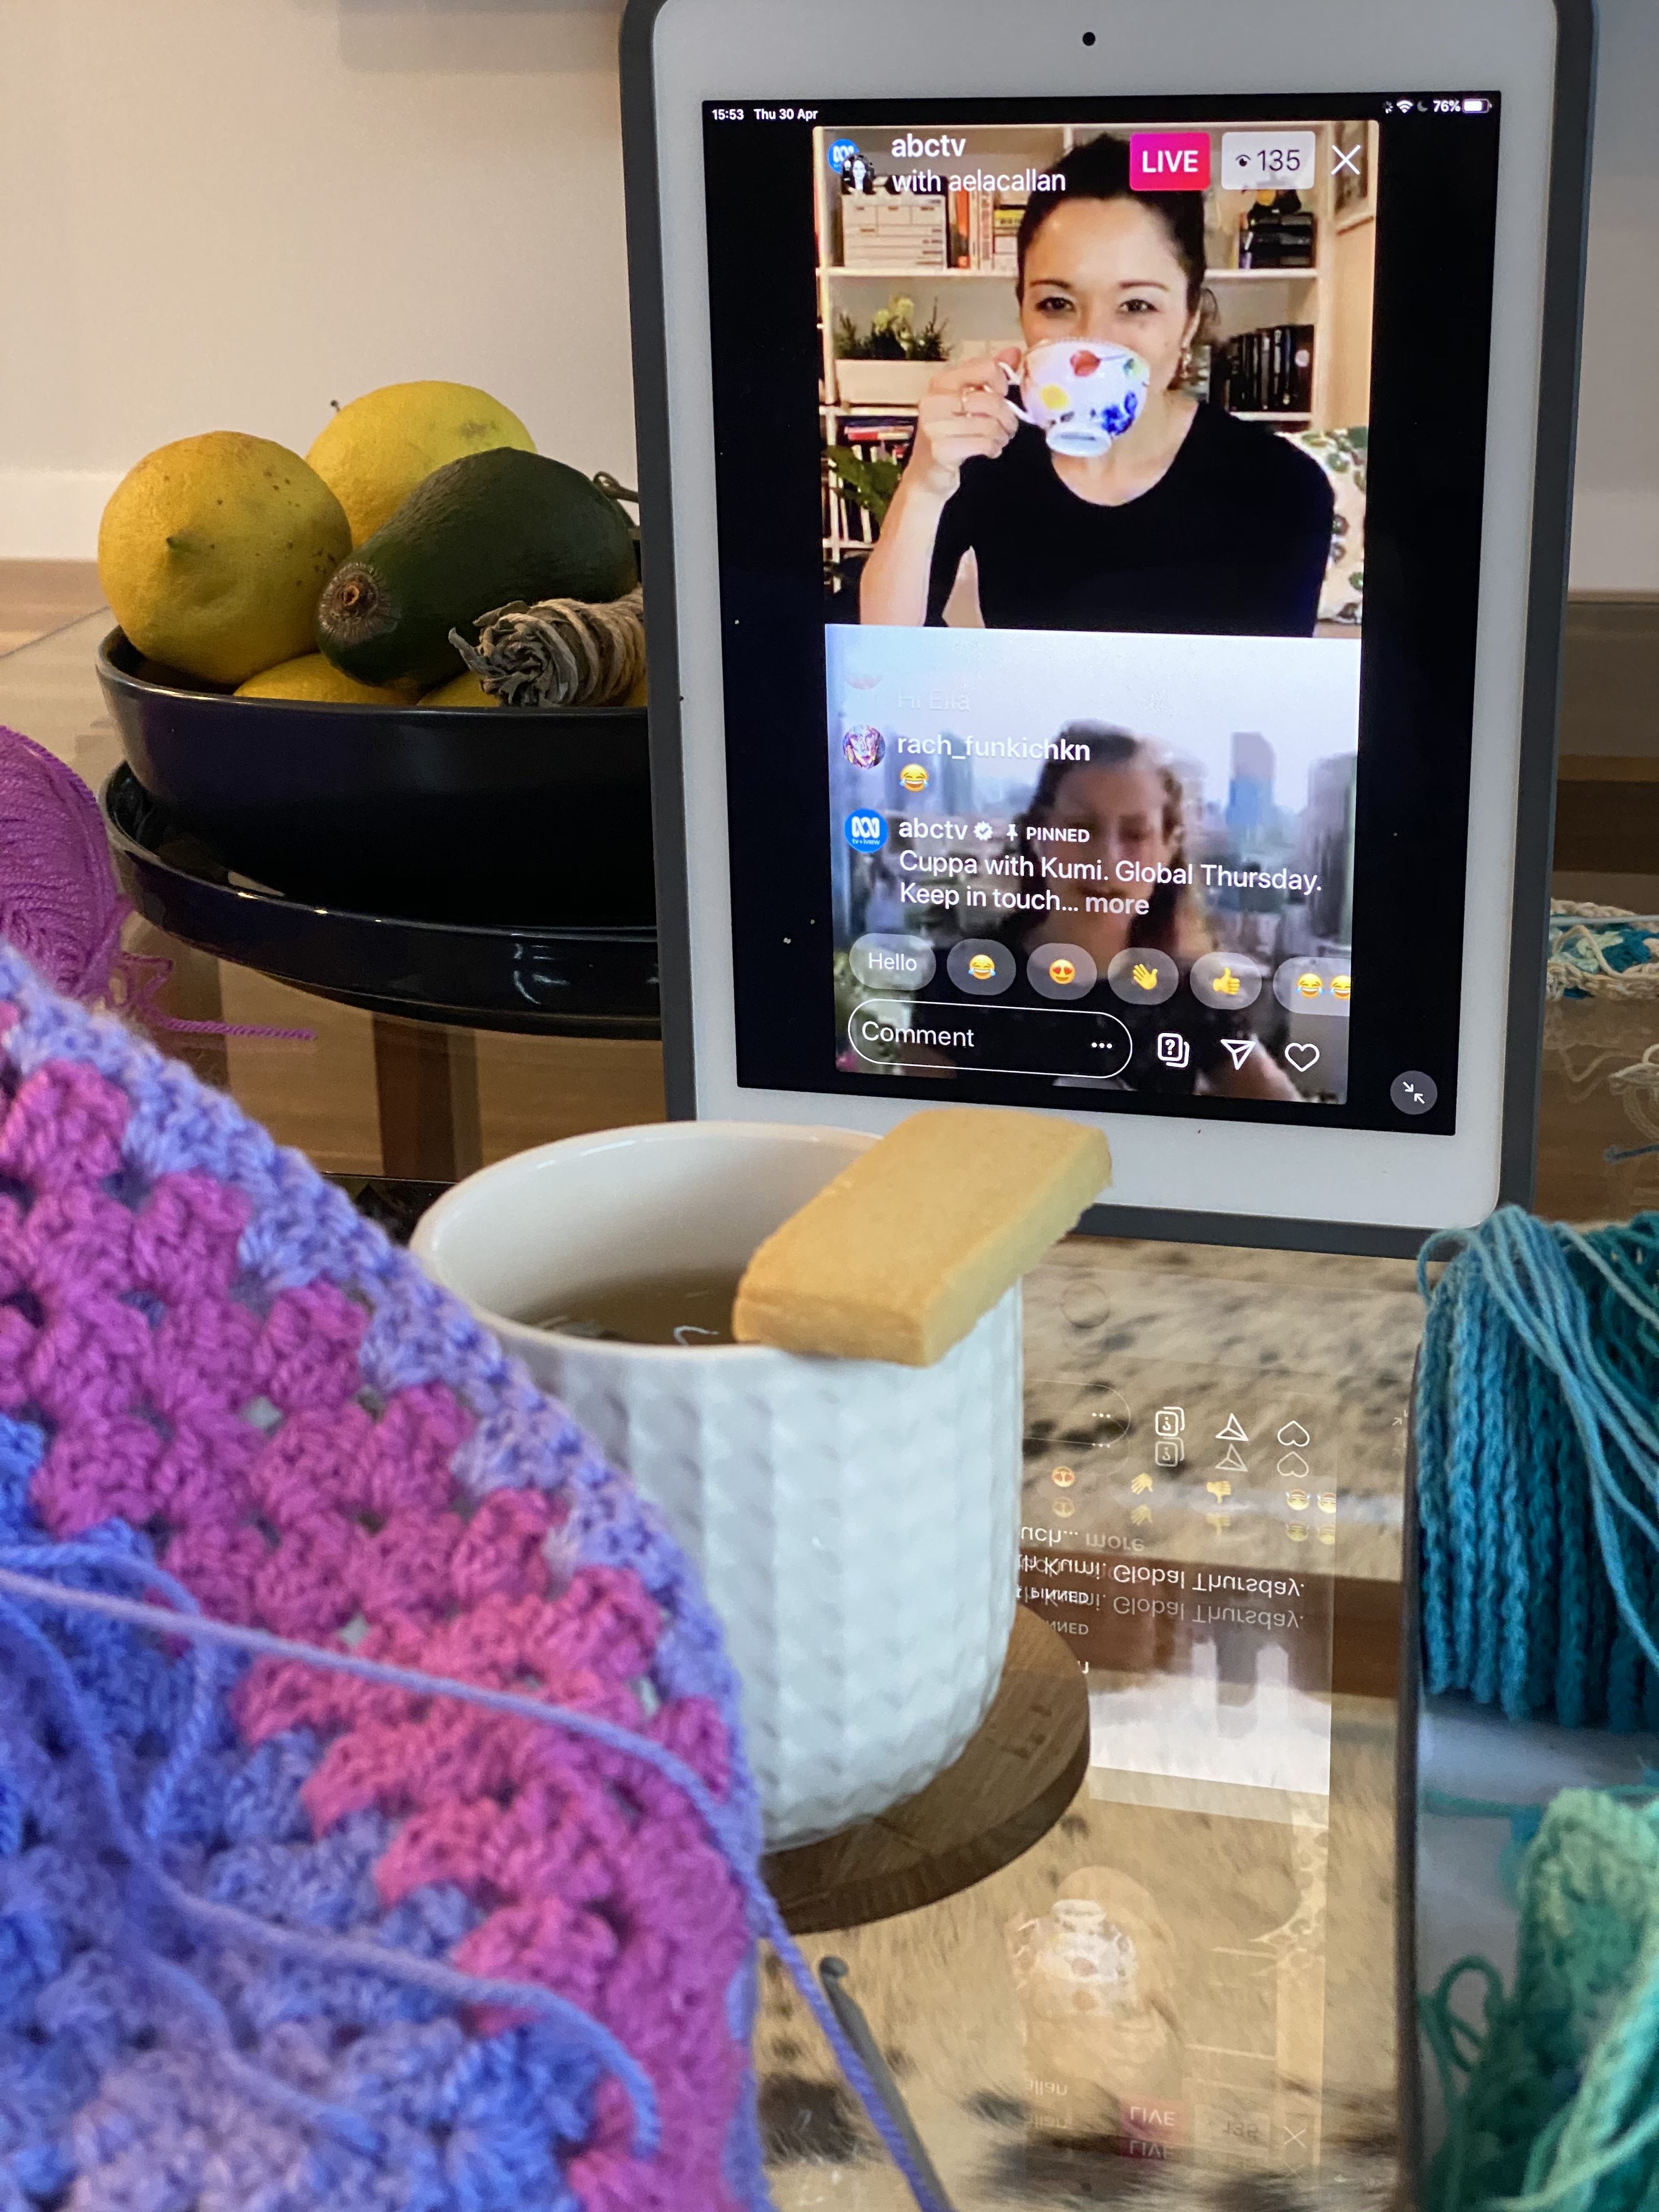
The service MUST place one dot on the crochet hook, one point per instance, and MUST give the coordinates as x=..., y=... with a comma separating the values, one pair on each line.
x=833, y=1972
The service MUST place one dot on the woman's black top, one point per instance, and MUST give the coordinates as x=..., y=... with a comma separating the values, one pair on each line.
x=1231, y=540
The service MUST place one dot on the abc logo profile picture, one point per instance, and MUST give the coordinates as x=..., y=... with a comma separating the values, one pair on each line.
x=865, y=746
x=913, y=776
x=865, y=833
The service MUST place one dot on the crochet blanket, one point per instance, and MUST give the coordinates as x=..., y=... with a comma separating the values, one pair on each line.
x=273, y=1938
x=1601, y=952
x=1559, y=2107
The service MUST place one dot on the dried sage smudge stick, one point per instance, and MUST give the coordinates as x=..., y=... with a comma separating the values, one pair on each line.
x=559, y=652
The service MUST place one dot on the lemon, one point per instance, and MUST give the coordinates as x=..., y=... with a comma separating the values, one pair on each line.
x=374, y=452
x=312, y=677
x=464, y=690
x=212, y=552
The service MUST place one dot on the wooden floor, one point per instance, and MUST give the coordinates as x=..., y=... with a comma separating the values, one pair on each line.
x=38, y=596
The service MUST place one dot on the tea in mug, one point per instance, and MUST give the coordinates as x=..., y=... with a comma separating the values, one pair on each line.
x=688, y=1310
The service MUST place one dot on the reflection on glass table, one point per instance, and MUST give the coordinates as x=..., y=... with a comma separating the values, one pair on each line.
x=1193, y=1971
x=1185, y=1991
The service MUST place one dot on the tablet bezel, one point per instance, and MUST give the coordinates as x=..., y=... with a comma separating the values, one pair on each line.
x=762, y=49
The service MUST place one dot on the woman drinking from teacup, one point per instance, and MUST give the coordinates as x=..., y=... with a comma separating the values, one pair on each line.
x=1074, y=485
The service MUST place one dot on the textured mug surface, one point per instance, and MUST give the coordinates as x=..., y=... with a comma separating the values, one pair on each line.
x=855, y=1522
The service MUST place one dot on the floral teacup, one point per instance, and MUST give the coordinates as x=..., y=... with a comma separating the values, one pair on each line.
x=1081, y=393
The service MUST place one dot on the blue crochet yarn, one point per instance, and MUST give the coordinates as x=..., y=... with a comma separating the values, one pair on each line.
x=1537, y=1450
x=318, y=1980
x=203, y=2000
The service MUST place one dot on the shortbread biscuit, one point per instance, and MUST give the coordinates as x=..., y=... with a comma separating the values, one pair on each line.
x=899, y=1256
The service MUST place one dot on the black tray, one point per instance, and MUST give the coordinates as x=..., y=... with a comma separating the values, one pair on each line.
x=464, y=814
x=559, y=981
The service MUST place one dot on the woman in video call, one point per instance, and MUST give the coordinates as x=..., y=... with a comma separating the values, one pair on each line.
x=1191, y=520
x=1132, y=808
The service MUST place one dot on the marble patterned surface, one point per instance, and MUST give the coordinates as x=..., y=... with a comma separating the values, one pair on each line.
x=1246, y=2061
x=1183, y=1995
x=1243, y=1344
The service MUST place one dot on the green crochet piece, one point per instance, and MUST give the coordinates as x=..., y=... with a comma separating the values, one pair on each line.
x=1561, y=2108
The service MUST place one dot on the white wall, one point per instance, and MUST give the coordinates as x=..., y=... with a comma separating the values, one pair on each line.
x=226, y=213
x=1616, y=527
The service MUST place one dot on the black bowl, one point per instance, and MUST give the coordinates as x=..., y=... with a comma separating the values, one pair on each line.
x=552, y=980
x=463, y=814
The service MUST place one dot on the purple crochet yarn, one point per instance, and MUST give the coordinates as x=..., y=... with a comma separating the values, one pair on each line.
x=59, y=903
x=463, y=1919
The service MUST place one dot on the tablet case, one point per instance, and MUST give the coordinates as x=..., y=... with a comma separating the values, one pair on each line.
x=1546, y=597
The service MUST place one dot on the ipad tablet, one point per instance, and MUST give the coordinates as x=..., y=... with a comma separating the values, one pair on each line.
x=1106, y=474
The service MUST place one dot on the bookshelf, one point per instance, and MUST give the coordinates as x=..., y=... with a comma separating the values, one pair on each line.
x=978, y=305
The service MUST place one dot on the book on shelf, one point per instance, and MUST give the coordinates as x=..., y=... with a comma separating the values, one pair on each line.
x=1005, y=219
x=1265, y=372
x=878, y=437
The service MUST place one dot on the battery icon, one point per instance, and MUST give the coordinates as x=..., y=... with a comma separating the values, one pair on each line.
x=1476, y=106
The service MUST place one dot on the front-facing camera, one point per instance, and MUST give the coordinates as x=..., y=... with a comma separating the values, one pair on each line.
x=1088, y=38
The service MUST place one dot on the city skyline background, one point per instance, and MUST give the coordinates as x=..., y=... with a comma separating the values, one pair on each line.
x=1260, y=733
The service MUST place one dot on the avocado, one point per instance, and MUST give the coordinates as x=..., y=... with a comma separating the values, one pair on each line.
x=488, y=528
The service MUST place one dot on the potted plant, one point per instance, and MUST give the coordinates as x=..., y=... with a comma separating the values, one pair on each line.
x=891, y=363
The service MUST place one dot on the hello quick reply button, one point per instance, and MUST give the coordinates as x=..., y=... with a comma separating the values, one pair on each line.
x=892, y=960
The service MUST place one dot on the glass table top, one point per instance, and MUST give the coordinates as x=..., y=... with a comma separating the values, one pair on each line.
x=1195, y=1968
x=1193, y=1971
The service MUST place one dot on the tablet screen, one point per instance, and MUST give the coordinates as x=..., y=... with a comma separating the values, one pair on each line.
x=1099, y=493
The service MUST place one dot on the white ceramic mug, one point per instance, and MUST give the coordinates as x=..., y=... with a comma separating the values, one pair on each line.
x=1082, y=393
x=855, y=1522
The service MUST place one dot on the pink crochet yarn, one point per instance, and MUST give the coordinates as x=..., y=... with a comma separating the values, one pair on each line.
x=230, y=1422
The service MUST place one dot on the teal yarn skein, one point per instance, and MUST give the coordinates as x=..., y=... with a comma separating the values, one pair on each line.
x=1536, y=1431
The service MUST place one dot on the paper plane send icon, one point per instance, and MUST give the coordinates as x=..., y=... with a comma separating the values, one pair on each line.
x=1232, y=1432
x=1231, y=1463
x=1141, y=1484
x=1237, y=1050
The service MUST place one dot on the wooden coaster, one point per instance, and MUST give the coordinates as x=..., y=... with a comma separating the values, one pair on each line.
x=1012, y=1783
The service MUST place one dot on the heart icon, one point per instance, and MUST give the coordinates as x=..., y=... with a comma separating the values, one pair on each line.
x=1301, y=1056
x=1294, y=1433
